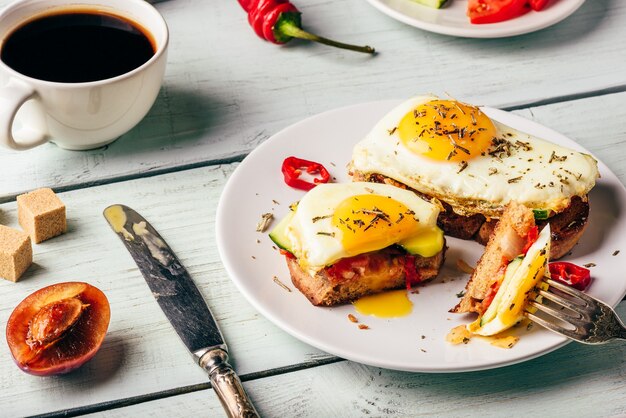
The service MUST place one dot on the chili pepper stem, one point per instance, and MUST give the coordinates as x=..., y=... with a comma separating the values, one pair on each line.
x=289, y=29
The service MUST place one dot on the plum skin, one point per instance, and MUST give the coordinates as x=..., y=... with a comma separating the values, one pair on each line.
x=75, y=347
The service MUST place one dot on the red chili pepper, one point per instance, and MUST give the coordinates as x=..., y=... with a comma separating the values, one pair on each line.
x=278, y=21
x=570, y=274
x=293, y=167
x=412, y=277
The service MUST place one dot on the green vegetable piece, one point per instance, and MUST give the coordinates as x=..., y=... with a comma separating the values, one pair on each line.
x=435, y=4
x=279, y=233
x=541, y=214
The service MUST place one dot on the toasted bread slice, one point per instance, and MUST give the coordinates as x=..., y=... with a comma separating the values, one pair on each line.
x=361, y=275
x=506, y=242
x=567, y=226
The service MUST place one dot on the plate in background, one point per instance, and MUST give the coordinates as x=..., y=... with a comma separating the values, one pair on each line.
x=452, y=18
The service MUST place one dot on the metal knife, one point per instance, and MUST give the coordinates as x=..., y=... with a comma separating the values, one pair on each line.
x=183, y=305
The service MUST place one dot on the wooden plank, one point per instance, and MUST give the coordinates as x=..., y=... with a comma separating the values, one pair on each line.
x=141, y=353
x=595, y=123
x=226, y=91
x=577, y=380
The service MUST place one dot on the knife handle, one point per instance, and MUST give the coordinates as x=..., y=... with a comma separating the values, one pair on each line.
x=227, y=385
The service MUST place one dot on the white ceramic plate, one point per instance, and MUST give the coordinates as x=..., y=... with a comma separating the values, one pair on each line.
x=415, y=342
x=452, y=19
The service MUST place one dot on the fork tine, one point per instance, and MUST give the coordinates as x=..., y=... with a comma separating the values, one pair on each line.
x=570, y=291
x=560, y=300
x=553, y=327
x=560, y=314
x=597, y=322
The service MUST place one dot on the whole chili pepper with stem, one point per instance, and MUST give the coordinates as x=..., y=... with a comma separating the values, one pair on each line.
x=278, y=21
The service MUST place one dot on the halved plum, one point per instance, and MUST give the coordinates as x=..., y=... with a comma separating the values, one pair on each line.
x=58, y=328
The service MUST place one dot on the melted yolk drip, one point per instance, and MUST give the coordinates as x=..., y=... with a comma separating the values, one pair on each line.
x=447, y=130
x=371, y=222
x=391, y=304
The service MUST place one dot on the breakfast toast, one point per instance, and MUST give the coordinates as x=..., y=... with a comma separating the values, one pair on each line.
x=344, y=241
x=567, y=226
x=508, y=240
x=472, y=165
x=363, y=275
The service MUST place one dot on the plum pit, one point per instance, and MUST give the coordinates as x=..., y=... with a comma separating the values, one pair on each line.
x=53, y=321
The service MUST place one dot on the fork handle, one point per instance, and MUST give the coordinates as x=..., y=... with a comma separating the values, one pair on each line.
x=618, y=330
x=621, y=334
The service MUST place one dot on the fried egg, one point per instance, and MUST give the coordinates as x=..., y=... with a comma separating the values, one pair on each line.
x=454, y=152
x=521, y=277
x=335, y=221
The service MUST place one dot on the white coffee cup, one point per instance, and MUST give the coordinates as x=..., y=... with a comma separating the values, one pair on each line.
x=81, y=115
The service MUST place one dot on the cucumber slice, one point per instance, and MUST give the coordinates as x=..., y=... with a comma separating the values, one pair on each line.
x=435, y=4
x=279, y=233
x=541, y=214
x=508, y=274
x=508, y=306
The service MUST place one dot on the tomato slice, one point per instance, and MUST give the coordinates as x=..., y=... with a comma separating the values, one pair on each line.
x=492, y=11
x=493, y=289
x=532, y=236
x=538, y=5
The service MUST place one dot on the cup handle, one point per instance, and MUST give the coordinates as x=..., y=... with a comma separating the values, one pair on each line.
x=12, y=98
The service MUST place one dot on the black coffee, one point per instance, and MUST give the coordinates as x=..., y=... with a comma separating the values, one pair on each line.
x=76, y=47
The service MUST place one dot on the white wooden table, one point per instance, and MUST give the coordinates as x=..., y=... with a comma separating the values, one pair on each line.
x=225, y=92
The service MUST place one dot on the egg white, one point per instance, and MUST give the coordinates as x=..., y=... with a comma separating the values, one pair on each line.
x=316, y=243
x=537, y=173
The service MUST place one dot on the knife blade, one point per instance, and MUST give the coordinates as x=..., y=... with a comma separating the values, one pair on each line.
x=183, y=305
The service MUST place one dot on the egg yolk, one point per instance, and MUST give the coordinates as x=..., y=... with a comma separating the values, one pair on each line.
x=371, y=222
x=446, y=130
x=536, y=271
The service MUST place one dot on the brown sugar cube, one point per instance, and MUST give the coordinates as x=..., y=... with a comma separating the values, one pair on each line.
x=42, y=214
x=16, y=253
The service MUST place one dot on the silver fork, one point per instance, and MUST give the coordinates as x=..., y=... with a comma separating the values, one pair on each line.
x=578, y=316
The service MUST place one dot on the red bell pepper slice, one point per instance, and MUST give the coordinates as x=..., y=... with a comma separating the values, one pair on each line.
x=570, y=274
x=492, y=11
x=538, y=5
x=293, y=168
